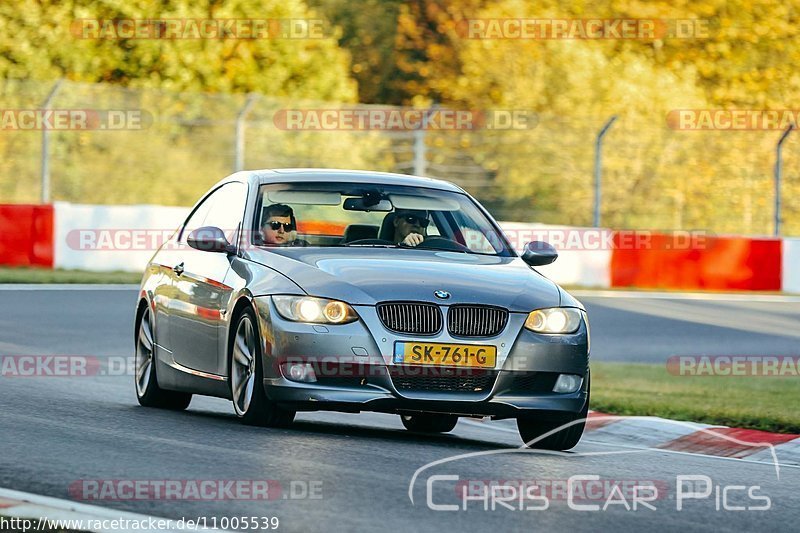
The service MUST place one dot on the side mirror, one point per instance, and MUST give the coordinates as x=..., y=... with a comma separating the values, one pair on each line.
x=538, y=253
x=210, y=239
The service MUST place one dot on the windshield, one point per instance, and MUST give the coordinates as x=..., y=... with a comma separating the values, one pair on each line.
x=366, y=215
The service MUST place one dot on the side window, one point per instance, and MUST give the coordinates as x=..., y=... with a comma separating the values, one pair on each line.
x=224, y=209
x=433, y=226
x=227, y=209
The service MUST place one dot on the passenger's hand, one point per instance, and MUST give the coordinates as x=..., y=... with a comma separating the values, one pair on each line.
x=413, y=239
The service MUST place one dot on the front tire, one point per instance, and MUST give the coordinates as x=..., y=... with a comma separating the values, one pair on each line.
x=250, y=401
x=565, y=439
x=429, y=423
x=148, y=392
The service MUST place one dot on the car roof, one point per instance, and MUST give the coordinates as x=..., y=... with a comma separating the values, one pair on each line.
x=328, y=175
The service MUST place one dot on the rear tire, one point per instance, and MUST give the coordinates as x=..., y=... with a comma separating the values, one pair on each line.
x=429, y=423
x=148, y=392
x=250, y=401
x=566, y=439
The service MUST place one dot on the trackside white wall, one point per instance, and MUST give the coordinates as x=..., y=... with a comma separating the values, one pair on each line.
x=584, y=254
x=790, y=265
x=111, y=237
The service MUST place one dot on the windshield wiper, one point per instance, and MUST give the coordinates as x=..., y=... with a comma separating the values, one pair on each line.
x=437, y=249
x=406, y=247
x=433, y=248
x=369, y=245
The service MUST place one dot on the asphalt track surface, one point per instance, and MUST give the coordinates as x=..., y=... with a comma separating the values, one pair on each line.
x=57, y=431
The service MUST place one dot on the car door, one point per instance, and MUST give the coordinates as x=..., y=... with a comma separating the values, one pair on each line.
x=200, y=295
x=168, y=262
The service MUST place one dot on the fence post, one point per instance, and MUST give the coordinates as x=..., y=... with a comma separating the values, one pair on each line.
x=420, y=161
x=419, y=152
x=598, y=170
x=45, y=175
x=241, y=116
x=778, y=172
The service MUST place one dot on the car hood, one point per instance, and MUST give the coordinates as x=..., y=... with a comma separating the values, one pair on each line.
x=366, y=276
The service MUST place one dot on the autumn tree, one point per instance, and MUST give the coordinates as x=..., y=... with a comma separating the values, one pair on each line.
x=40, y=42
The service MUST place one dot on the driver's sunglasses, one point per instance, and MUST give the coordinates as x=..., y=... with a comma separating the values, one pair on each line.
x=275, y=225
x=421, y=222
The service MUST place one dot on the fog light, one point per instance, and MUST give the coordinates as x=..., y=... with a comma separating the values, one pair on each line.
x=568, y=383
x=300, y=372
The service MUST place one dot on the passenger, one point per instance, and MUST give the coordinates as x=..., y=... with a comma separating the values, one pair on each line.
x=279, y=227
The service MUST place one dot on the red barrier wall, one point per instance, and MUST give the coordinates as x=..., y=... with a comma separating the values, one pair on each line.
x=26, y=235
x=715, y=263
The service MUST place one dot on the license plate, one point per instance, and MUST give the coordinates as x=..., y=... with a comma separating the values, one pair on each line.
x=428, y=353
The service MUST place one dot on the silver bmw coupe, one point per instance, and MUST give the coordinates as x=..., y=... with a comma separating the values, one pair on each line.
x=302, y=290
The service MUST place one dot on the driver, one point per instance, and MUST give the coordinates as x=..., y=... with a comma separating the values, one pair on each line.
x=279, y=227
x=410, y=226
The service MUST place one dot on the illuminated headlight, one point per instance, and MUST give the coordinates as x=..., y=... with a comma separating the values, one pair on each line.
x=554, y=320
x=314, y=310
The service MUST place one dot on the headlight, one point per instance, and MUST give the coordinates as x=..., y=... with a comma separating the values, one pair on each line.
x=314, y=310
x=554, y=320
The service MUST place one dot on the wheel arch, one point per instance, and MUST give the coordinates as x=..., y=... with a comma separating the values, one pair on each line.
x=243, y=302
x=140, y=309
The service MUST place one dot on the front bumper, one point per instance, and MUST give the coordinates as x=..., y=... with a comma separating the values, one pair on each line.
x=355, y=370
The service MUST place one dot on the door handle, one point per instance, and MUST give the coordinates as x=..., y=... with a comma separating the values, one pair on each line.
x=178, y=269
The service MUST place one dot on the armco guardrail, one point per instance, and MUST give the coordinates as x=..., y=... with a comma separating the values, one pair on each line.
x=104, y=238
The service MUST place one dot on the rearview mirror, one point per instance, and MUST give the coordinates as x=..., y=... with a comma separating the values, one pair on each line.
x=538, y=253
x=209, y=239
x=361, y=204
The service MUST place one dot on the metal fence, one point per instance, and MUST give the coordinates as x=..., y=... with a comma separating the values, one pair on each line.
x=540, y=169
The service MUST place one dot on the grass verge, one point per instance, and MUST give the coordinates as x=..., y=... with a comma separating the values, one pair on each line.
x=766, y=403
x=46, y=275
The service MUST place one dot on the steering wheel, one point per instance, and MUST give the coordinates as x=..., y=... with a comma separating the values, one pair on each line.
x=369, y=241
x=441, y=242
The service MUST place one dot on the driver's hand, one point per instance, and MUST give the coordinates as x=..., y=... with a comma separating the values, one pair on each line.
x=412, y=239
